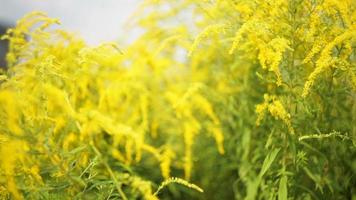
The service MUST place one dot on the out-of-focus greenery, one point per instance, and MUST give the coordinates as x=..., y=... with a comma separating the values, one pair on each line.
x=247, y=99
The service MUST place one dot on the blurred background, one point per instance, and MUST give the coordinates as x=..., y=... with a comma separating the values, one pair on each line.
x=94, y=20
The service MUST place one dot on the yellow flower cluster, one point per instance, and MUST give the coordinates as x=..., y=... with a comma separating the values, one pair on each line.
x=276, y=109
x=105, y=122
x=326, y=60
x=270, y=56
x=212, y=29
x=81, y=101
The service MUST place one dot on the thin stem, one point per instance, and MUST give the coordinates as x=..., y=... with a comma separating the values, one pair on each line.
x=108, y=168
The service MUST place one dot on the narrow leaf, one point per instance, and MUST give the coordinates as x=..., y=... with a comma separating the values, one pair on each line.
x=283, y=190
x=268, y=161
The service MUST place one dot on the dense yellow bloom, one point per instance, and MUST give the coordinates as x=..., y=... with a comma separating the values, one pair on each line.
x=276, y=109
x=212, y=29
x=166, y=162
x=270, y=56
x=11, y=153
x=79, y=98
x=326, y=60
x=190, y=97
x=144, y=187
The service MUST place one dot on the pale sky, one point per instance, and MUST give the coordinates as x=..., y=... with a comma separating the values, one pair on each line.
x=95, y=20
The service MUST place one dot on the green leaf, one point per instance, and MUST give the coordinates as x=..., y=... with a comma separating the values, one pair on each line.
x=268, y=161
x=283, y=190
x=252, y=187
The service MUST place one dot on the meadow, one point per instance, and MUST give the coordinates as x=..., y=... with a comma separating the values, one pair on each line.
x=217, y=99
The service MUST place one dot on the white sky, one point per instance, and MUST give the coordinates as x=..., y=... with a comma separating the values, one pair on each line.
x=95, y=20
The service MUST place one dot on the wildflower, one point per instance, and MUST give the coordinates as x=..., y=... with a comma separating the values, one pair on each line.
x=326, y=60
x=212, y=29
x=276, y=109
x=166, y=160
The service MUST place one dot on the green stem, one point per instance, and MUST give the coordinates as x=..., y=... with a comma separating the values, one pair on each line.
x=108, y=168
